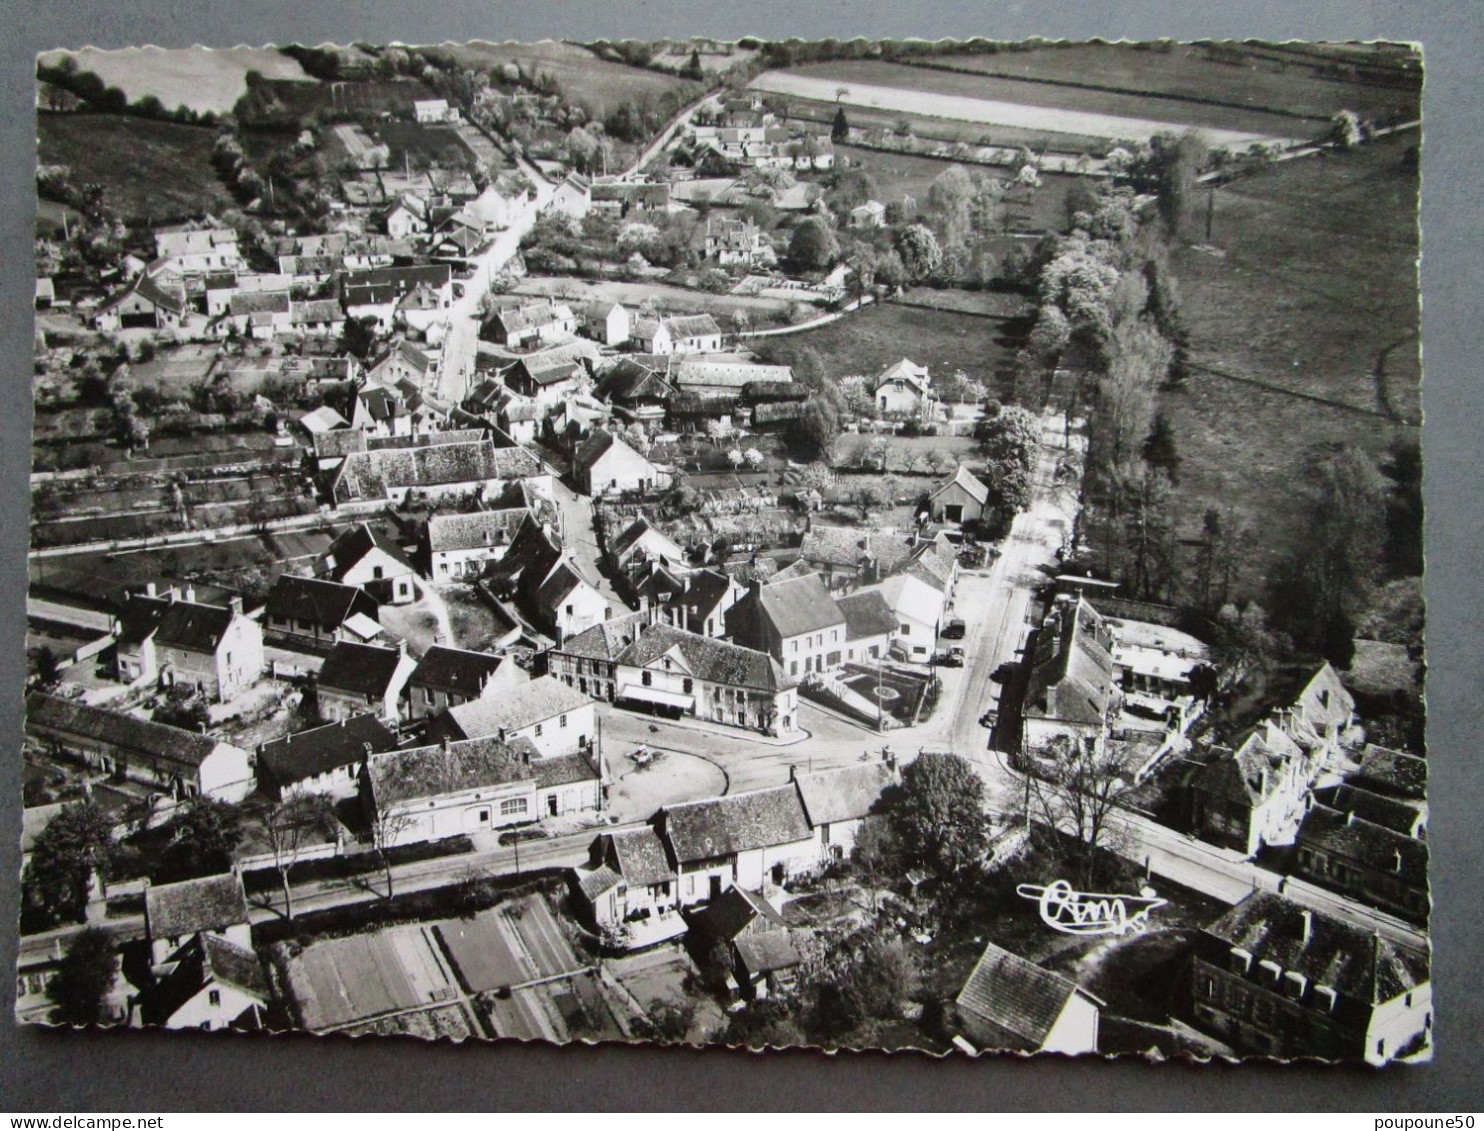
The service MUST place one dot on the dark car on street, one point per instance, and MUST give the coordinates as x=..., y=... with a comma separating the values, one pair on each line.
x=955, y=629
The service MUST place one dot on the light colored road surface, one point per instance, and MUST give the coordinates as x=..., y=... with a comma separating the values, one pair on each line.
x=987, y=111
x=462, y=342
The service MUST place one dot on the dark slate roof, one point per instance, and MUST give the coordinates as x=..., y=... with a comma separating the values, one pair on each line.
x=529, y=316
x=1393, y=771
x=722, y=826
x=1389, y=812
x=309, y=753
x=187, y=625
x=1016, y=1000
x=387, y=284
x=704, y=590
x=1249, y=774
x=800, y=605
x=708, y=658
x=692, y=326
x=629, y=381
x=844, y=794
x=734, y=911
x=325, y=603
x=258, y=302
x=360, y=669
x=596, y=446
x=1369, y=845
x=1072, y=671
x=638, y=855
x=456, y=669
x=122, y=732
x=433, y=771
x=1357, y=963
x=355, y=544
x=606, y=640
x=867, y=614
x=210, y=903
x=516, y=707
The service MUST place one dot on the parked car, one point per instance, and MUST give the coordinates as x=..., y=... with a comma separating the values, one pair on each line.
x=989, y=718
x=956, y=629
x=953, y=658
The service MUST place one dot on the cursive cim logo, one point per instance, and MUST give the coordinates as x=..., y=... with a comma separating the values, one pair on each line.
x=1091, y=913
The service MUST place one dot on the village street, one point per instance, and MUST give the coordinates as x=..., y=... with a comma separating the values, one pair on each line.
x=462, y=344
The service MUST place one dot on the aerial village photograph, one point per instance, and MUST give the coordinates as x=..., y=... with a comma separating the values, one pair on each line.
x=849, y=544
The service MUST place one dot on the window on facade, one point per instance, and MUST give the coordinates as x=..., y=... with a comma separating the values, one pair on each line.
x=563, y=721
x=569, y=610
x=512, y=805
x=796, y=647
x=647, y=678
x=906, y=630
x=428, y=695
x=538, y=730
x=686, y=686
x=215, y=997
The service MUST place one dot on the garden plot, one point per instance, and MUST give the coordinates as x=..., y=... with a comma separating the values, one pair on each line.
x=338, y=982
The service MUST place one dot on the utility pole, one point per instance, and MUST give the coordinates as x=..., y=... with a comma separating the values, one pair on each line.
x=1210, y=209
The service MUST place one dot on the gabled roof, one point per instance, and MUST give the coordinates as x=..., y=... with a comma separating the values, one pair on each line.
x=327, y=604
x=836, y=546
x=845, y=794
x=123, y=732
x=187, y=625
x=705, y=589
x=474, y=530
x=799, y=606
x=1071, y=675
x=607, y=640
x=628, y=381
x=642, y=533
x=909, y=596
x=638, y=855
x=763, y=952
x=1016, y=1002
x=310, y=753
x=457, y=669
x=387, y=284
x=722, y=826
x=360, y=669
x=692, y=326
x=1393, y=771
x=435, y=771
x=1389, y=812
x=596, y=881
x=964, y=478
x=210, y=903
x=1365, y=843
x=1249, y=774
x=204, y=960
x=514, y=708
x=353, y=545
x=708, y=658
x=530, y=316
x=1355, y=962
x=734, y=911
x=244, y=303
x=599, y=444
x=371, y=474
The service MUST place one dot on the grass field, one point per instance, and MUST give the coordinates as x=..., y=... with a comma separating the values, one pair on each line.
x=422, y=145
x=1187, y=71
x=199, y=78
x=584, y=78
x=868, y=341
x=150, y=171
x=1059, y=108
x=1316, y=293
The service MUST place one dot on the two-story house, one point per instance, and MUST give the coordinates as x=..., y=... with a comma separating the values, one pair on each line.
x=447, y=677
x=359, y=679
x=751, y=840
x=325, y=759
x=553, y=716
x=307, y=611
x=797, y=622
x=628, y=889
x=175, y=640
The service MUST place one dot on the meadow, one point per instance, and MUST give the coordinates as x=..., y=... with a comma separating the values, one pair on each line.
x=1304, y=317
x=151, y=172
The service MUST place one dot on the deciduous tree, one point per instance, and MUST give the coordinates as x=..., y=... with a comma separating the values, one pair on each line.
x=291, y=826
x=939, y=813
x=79, y=987
x=76, y=845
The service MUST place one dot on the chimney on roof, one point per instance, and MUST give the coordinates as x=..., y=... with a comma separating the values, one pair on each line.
x=1307, y=917
x=1350, y=818
x=235, y=604
x=444, y=744
x=149, y=589
x=1396, y=855
x=793, y=771
x=190, y=594
x=171, y=594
